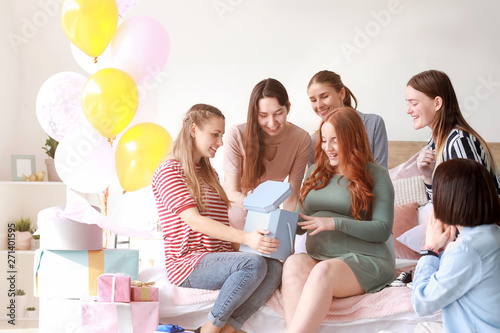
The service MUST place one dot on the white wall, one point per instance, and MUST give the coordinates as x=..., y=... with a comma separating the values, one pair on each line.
x=221, y=48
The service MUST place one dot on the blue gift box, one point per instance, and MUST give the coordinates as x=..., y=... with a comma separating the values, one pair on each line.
x=263, y=213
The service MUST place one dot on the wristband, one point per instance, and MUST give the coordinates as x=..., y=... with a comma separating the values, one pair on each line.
x=429, y=250
x=428, y=253
x=427, y=247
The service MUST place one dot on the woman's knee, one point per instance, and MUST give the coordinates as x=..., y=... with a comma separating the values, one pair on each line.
x=297, y=267
x=274, y=271
x=254, y=262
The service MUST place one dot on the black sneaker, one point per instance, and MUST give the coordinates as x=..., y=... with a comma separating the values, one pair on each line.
x=402, y=280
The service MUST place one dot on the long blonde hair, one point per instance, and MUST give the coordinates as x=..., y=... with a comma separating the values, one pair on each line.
x=183, y=148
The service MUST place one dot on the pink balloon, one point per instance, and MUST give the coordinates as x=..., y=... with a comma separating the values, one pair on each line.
x=124, y=5
x=140, y=47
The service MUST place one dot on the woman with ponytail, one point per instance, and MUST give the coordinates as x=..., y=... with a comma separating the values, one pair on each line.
x=347, y=208
x=327, y=92
x=192, y=208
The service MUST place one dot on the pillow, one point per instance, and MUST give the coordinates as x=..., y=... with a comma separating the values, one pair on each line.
x=406, y=169
x=424, y=212
x=408, y=190
x=405, y=218
x=415, y=237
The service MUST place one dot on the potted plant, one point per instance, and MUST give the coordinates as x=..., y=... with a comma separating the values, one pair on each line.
x=22, y=233
x=50, y=149
x=35, y=239
x=31, y=312
x=20, y=303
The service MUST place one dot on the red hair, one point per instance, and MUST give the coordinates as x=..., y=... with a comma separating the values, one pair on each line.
x=354, y=151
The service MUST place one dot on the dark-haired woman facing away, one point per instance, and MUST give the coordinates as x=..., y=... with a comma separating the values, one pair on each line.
x=465, y=280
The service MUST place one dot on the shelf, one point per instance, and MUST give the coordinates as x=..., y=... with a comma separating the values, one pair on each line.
x=24, y=183
x=19, y=251
x=19, y=319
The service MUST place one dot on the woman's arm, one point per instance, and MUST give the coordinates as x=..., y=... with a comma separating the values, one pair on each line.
x=380, y=143
x=437, y=285
x=379, y=227
x=291, y=202
x=202, y=224
x=232, y=182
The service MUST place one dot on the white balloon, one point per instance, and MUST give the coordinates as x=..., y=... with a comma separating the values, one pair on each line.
x=85, y=161
x=88, y=63
x=59, y=105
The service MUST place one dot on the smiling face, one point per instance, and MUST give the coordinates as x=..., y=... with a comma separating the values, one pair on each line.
x=272, y=117
x=207, y=138
x=329, y=143
x=324, y=98
x=421, y=107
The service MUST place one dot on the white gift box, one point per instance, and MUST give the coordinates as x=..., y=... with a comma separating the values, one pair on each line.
x=65, y=234
x=73, y=274
x=84, y=316
x=263, y=213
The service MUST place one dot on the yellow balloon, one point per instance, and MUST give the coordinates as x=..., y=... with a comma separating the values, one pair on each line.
x=138, y=154
x=110, y=99
x=90, y=24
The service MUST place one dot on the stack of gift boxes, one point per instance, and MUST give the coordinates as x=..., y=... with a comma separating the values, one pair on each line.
x=85, y=288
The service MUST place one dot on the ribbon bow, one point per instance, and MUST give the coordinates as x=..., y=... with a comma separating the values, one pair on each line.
x=170, y=328
x=137, y=283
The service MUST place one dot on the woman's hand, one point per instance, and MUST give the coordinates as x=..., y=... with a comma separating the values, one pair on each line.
x=260, y=243
x=426, y=161
x=317, y=224
x=438, y=234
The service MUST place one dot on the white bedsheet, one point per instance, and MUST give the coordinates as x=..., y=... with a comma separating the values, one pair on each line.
x=173, y=310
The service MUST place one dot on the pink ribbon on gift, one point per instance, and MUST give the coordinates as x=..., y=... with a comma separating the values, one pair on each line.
x=79, y=209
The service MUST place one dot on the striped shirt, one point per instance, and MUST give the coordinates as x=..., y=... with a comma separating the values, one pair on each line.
x=183, y=246
x=461, y=144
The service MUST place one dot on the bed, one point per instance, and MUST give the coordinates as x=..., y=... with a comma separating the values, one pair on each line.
x=388, y=310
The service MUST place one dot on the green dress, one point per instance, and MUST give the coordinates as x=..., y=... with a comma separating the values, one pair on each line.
x=360, y=244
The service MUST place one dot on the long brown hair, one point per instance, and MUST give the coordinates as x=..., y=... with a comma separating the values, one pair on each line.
x=354, y=151
x=183, y=148
x=433, y=83
x=334, y=80
x=253, y=141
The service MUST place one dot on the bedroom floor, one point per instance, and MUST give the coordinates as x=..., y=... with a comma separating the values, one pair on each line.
x=31, y=327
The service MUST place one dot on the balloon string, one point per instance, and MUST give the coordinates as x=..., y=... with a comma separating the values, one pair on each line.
x=95, y=60
x=106, y=195
x=110, y=140
x=107, y=233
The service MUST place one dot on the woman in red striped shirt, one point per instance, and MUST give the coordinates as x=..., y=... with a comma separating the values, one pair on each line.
x=192, y=207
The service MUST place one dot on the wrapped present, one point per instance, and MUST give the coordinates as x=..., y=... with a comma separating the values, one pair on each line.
x=113, y=288
x=59, y=233
x=143, y=291
x=73, y=274
x=133, y=317
x=80, y=316
x=263, y=213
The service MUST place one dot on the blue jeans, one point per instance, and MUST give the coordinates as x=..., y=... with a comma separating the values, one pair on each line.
x=246, y=281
